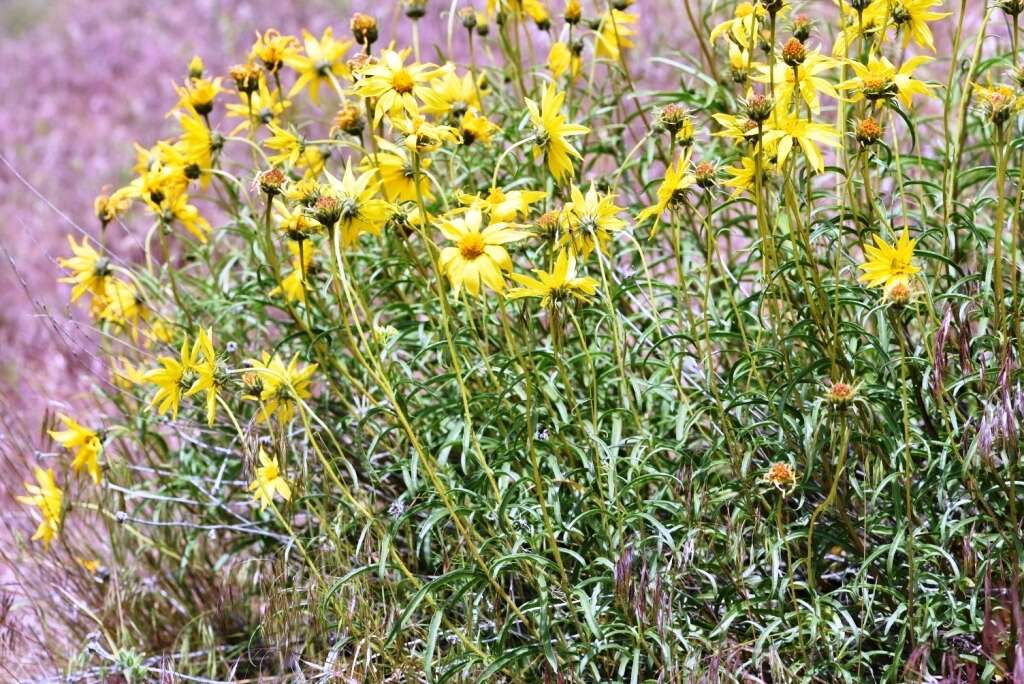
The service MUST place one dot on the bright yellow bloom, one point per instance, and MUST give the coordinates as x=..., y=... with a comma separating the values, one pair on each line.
x=173, y=378
x=81, y=441
x=421, y=136
x=880, y=80
x=396, y=86
x=288, y=145
x=89, y=270
x=505, y=206
x=361, y=211
x=122, y=305
x=671, y=191
x=321, y=63
x=450, y=95
x=126, y=374
x=476, y=128
x=293, y=286
x=562, y=60
x=176, y=207
x=889, y=264
x=614, y=34
x=397, y=172
x=49, y=499
x=210, y=375
x=198, y=94
x=804, y=79
x=296, y=224
x=912, y=18
x=746, y=21
x=588, y=222
x=273, y=49
x=807, y=135
x=998, y=102
x=743, y=177
x=269, y=482
x=261, y=107
x=278, y=387
x=478, y=254
x=551, y=132
x=196, y=147
x=560, y=285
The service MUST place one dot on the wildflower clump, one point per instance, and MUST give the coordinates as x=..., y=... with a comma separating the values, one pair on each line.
x=489, y=342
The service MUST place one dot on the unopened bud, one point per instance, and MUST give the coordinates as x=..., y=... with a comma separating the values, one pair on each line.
x=364, y=28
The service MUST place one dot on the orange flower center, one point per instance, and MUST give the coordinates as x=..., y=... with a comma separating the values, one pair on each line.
x=471, y=246
x=402, y=82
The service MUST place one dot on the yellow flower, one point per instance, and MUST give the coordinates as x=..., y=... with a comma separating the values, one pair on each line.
x=293, y=286
x=561, y=60
x=880, y=80
x=210, y=376
x=269, y=482
x=279, y=387
x=322, y=62
x=807, y=135
x=397, y=172
x=505, y=206
x=450, y=95
x=196, y=148
x=613, y=34
x=889, y=264
x=198, y=94
x=997, y=103
x=422, y=136
x=295, y=224
x=671, y=191
x=804, y=78
x=396, y=86
x=478, y=254
x=743, y=177
x=912, y=17
x=588, y=222
x=123, y=306
x=559, y=285
x=781, y=476
x=173, y=378
x=177, y=207
x=49, y=499
x=259, y=107
x=89, y=270
x=273, y=49
x=125, y=374
x=81, y=441
x=361, y=211
x=551, y=132
x=476, y=128
x=288, y=145
x=746, y=21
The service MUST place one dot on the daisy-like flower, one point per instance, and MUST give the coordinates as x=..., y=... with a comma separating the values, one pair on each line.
x=196, y=147
x=551, y=133
x=475, y=127
x=450, y=95
x=880, y=80
x=260, y=107
x=359, y=210
x=89, y=270
x=746, y=21
x=743, y=178
x=122, y=305
x=397, y=173
x=278, y=387
x=126, y=374
x=293, y=286
x=803, y=78
x=397, y=87
x=49, y=499
x=888, y=264
x=478, y=254
x=805, y=133
x=269, y=482
x=614, y=34
x=911, y=17
x=321, y=62
x=505, y=206
x=678, y=178
x=173, y=378
x=273, y=49
x=588, y=222
x=422, y=136
x=288, y=146
x=198, y=94
x=294, y=223
x=83, y=443
x=561, y=60
x=210, y=374
x=558, y=285
x=998, y=103
x=176, y=207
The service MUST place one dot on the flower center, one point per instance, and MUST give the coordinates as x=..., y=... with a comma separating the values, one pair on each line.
x=471, y=246
x=402, y=82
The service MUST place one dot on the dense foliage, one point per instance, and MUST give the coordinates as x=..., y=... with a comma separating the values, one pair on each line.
x=753, y=416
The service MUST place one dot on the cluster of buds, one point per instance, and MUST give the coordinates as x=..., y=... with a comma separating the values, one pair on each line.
x=868, y=131
x=364, y=29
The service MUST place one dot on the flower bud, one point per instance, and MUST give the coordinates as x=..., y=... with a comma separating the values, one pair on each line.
x=415, y=9
x=840, y=394
x=802, y=26
x=706, y=174
x=759, y=107
x=246, y=77
x=195, y=67
x=482, y=27
x=1011, y=7
x=364, y=28
x=573, y=12
x=468, y=17
x=349, y=119
x=271, y=181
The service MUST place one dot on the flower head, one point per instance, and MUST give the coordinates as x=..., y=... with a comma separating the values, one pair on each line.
x=321, y=63
x=478, y=254
x=279, y=387
x=588, y=221
x=49, y=499
x=889, y=264
x=558, y=285
x=551, y=133
x=269, y=481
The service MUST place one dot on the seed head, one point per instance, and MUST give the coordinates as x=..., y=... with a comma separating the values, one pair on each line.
x=781, y=476
x=899, y=293
x=794, y=52
x=349, y=119
x=706, y=174
x=802, y=26
x=840, y=394
x=246, y=77
x=271, y=181
x=364, y=28
x=759, y=107
x=868, y=131
x=673, y=117
x=1011, y=7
